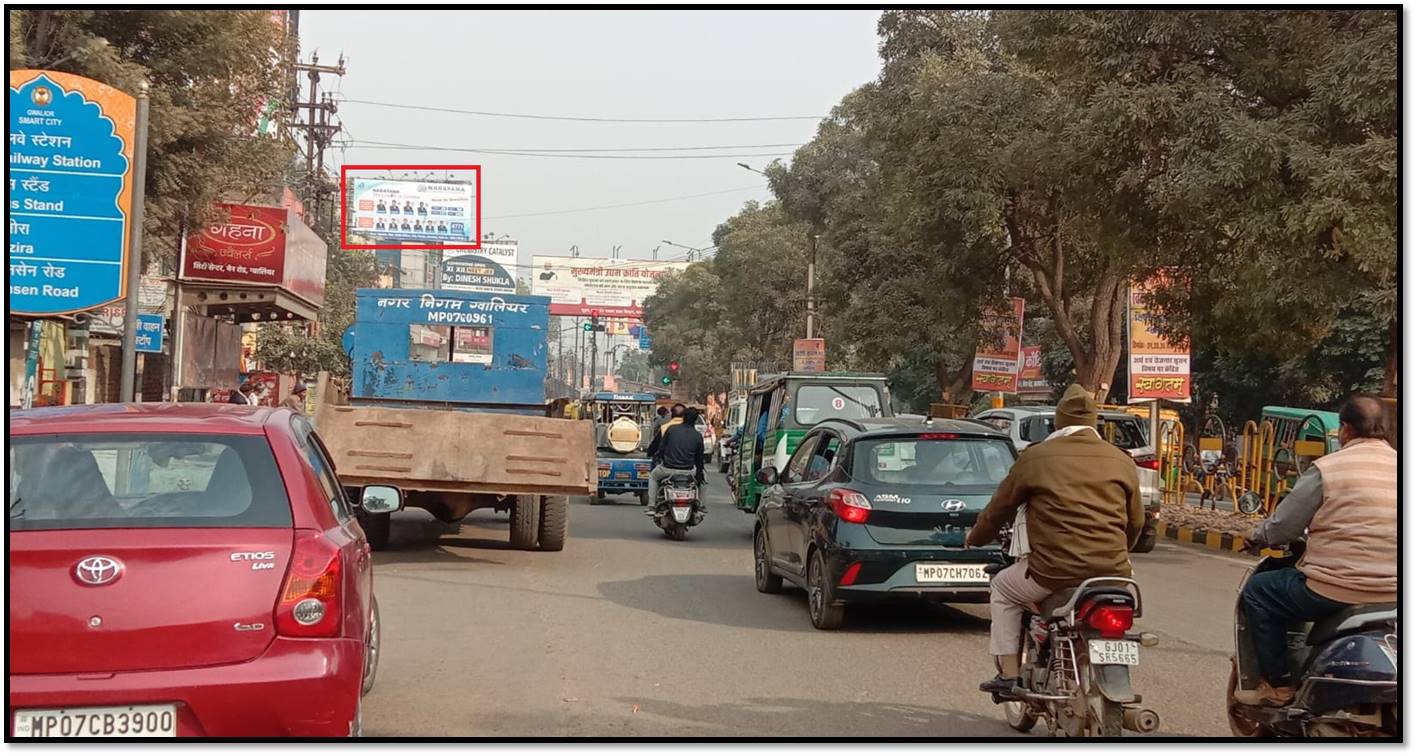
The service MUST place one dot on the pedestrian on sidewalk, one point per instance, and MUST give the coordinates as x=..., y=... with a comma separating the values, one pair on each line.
x=244, y=394
x=296, y=400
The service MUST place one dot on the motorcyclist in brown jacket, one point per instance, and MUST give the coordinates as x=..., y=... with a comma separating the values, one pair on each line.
x=1083, y=514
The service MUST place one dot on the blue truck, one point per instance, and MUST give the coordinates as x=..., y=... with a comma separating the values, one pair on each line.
x=447, y=406
x=624, y=426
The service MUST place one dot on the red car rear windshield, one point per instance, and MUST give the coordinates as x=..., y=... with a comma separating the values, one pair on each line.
x=144, y=480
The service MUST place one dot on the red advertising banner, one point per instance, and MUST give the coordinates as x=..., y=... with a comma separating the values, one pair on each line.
x=1158, y=369
x=257, y=245
x=809, y=356
x=996, y=363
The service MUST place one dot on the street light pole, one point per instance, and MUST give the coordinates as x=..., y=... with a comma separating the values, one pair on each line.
x=811, y=285
x=127, y=376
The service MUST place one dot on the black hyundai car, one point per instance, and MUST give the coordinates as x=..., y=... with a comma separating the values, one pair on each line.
x=878, y=509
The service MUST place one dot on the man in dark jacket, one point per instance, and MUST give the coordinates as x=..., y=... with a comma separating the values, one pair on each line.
x=1083, y=514
x=678, y=449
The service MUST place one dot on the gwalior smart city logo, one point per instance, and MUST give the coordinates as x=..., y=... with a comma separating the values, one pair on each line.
x=42, y=96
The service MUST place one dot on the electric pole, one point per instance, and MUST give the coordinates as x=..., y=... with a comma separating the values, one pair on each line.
x=319, y=132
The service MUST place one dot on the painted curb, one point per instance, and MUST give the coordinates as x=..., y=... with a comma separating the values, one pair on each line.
x=1215, y=541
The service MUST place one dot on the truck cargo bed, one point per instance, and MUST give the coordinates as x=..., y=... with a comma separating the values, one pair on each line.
x=451, y=450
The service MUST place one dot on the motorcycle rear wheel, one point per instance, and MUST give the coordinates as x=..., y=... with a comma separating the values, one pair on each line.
x=676, y=531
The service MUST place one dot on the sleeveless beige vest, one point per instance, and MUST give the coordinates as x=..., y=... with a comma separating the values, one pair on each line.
x=1351, y=555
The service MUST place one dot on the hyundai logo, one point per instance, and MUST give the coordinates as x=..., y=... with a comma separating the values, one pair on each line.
x=98, y=570
x=952, y=505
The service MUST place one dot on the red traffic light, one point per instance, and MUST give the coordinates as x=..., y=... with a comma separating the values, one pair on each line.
x=594, y=313
x=673, y=366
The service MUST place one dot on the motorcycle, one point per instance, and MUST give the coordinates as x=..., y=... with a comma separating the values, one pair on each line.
x=733, y=469
x=678, y=507
x=1345, y=665
x=1077, y=654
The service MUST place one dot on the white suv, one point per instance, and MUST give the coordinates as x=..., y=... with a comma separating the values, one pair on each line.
x=1028, y=424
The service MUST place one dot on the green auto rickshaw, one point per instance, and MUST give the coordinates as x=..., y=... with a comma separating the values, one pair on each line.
x=782, y=408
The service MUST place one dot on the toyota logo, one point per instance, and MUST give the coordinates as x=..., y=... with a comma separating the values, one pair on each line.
x=98, y=570
x=952, y=505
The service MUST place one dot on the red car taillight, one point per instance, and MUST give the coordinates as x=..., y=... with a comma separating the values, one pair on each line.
x=1149, y=462
x=309, y=603
x=851, y=506
x=1111, y=620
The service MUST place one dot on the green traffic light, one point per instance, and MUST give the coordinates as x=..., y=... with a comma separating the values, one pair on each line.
x=588, y=327
x=666, y=380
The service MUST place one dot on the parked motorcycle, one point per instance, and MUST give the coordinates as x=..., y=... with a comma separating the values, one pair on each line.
x=678, y=507
x=1078, y=650
x=1345, y=665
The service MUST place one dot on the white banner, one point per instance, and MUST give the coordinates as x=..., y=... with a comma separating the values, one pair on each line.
x=491, y=268
x=615, y=288
x=413, y=211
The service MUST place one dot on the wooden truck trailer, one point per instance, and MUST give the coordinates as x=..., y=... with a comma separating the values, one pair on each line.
x=447, y=404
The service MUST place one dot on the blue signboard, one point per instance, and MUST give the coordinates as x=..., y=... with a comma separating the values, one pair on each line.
x=150, y=332
x=644, y=342
x=70, y=192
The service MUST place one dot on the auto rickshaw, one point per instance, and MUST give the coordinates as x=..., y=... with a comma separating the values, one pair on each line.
x=784, y=407
x=1278, y=448
x=623, y=430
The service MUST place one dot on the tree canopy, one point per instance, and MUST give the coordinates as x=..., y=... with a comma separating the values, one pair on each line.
x=1063, y=156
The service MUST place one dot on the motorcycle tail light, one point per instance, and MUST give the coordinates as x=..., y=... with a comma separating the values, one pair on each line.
x=1111, y=620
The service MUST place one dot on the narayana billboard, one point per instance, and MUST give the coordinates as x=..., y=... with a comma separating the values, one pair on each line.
x=414, y=211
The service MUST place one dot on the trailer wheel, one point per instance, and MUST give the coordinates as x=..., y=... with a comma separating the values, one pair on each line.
x=377, y=528
x=524, y=516
x=555, y=518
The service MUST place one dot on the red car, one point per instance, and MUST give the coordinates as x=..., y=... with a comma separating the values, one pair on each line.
x=185, y=570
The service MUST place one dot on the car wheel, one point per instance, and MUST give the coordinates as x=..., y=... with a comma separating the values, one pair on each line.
x=524, y=516
x=371, y=648
x=643, y=498
x=767, y=581
x=377, y=529
x=1146, y=544
x=821, y=604
x=555, y=521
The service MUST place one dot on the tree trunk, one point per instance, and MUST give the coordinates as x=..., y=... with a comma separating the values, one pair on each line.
x=955, y=386
x=1392, y=362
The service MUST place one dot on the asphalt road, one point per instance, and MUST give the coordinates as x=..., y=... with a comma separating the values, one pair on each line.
x=626, y=633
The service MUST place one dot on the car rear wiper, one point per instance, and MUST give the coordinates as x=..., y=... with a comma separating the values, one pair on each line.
x=872, y=409
x=16, y=503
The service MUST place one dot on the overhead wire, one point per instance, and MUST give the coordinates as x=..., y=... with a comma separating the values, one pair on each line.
x=581, y=119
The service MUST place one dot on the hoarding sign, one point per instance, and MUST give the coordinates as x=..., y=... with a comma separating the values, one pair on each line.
x=413, y=211
x=246, y=246
x=258, y=245
x=150, y=332
x=996, y=363
x=617, y=288
x=1158, y=369
x=809, y=355
x=70, y=192
x=1031, y=381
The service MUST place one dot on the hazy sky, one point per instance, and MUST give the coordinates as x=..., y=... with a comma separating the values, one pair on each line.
x=603, y=64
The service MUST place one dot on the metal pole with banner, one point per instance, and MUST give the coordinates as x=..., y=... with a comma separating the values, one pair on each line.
x=128, y=377
x=1158, y=368
x=996, y=365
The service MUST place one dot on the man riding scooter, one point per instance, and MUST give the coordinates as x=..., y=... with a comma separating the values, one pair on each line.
x=1075, y=501
x=1347, y=503
x=677, y=449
